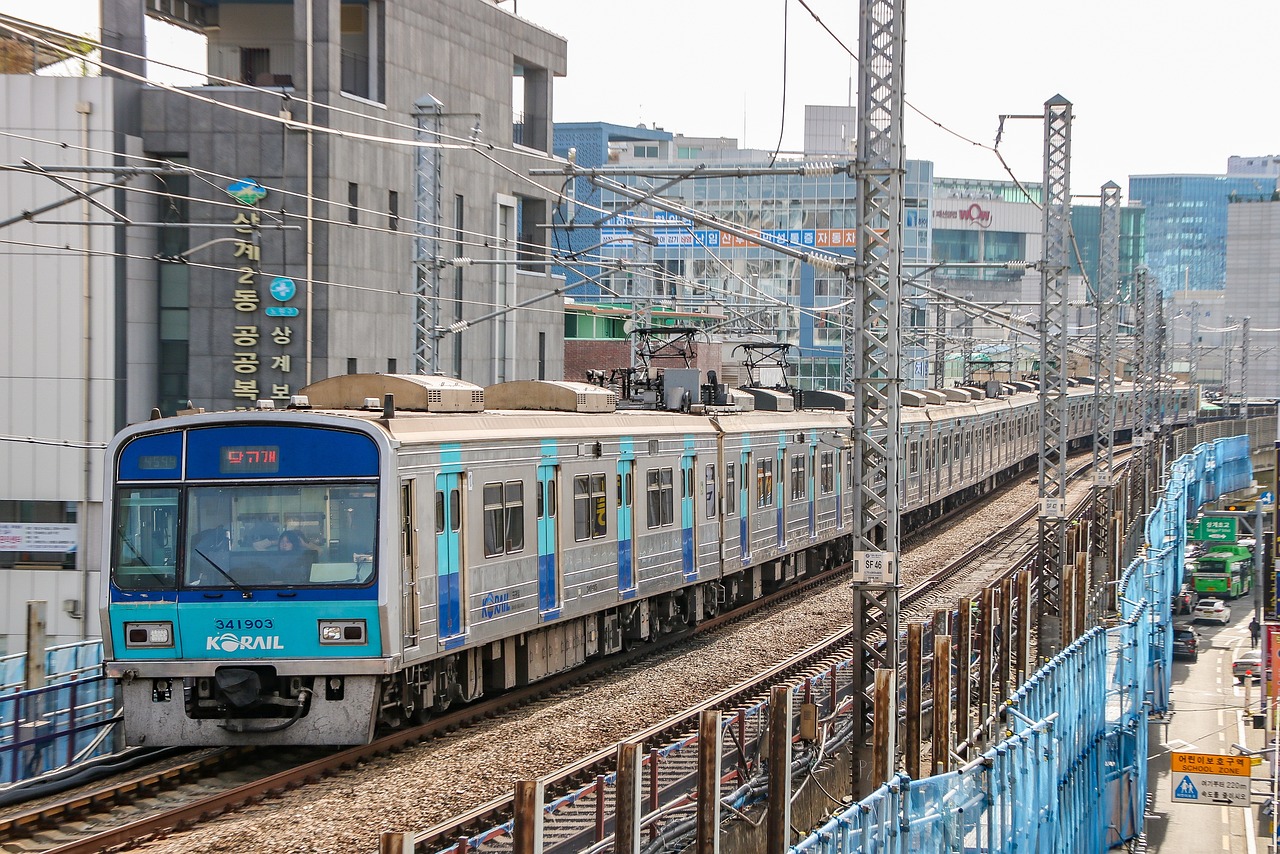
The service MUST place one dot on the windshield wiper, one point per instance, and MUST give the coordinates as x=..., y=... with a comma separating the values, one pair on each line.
x=124, y=541
x=244, y=591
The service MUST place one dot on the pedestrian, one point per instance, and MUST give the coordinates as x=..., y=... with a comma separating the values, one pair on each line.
x=1255, y=629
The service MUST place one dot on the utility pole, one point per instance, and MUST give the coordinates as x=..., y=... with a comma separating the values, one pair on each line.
x=1055, y=265
x=1193, y=354
x=1105, y=290
x=1227, y=341
x=1244, y=368
x=427, y=112
x=939, y=344
x=1139, y=355
x=872, y=359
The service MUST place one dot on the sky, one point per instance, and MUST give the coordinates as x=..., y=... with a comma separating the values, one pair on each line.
x=1158, y=86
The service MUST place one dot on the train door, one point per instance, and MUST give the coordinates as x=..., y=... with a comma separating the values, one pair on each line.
x=626, y=527
x=449, y=585
x=687, y=514
x=780, y=494
x=409, y=564
x=548, y=500
x=812, y=487
x=744, y=505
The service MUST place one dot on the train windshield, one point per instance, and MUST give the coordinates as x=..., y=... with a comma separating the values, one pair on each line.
x=143, y=554
x=246, y=536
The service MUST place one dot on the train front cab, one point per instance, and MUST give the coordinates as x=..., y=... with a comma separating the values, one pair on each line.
x=243, y=599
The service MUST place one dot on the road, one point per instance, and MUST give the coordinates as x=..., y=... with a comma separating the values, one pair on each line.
x=1209, y=715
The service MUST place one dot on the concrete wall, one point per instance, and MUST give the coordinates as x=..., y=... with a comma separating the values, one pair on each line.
x=1253, y=271
x=48, y=368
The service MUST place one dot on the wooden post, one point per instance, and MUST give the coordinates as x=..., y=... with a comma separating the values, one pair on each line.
x=1004, y=652
x=778, y=829
x=1026, y=665
x=964, y=661
x=709, y=782
x=627, y=801
x=395, y=842
x=984, y=653
x=883, y=728
x=526, y=832
x=941, y=703
x=911, y=731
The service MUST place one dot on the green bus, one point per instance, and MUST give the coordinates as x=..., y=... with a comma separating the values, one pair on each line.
x=1224, y=572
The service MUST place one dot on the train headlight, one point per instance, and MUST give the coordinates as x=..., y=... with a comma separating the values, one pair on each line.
x=342, y=631
x=142, y=635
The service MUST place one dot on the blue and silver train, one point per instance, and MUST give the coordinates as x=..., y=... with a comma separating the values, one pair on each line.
x=390, y=545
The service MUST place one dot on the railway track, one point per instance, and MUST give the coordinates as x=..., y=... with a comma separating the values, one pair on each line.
x=75, y=823
x=79, y=823
x=581, y=785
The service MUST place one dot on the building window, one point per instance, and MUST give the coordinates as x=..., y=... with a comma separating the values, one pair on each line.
x=391, y=366
x=647, y=151
x=43, y=535
x=351, y=367
x=503, y=518
x=393, y=210
x=661, y=497
x=590, y=507
x=353, y=202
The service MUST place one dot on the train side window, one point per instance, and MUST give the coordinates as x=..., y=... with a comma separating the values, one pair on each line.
x=764, y=483
x=439, y=512
x=827, y=472
x=660, y=503
x=406, y=519
x=798, y=490
x=503, y=518
x=946, y=450
x=730, y=489
x=711, y=491
x=590, y=507
x=455, y=510
x=913, y=454
x=600, y=503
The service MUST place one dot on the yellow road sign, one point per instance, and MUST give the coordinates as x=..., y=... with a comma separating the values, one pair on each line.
x=1211, y=763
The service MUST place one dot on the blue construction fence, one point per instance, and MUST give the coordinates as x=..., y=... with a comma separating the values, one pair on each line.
x=1071, y=773
x=67, y=721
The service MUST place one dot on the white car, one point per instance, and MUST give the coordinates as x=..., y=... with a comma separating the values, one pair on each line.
x=1212, y=609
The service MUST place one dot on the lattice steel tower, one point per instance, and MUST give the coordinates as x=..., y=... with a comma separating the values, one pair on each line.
x=1055, y=266
x=871, y=328
x=426, y=237
x=1105, y=291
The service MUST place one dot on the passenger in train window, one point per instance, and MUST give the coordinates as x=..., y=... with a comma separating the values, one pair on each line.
x=297, y=557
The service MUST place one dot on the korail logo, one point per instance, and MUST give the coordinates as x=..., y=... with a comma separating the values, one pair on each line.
x=227, y=642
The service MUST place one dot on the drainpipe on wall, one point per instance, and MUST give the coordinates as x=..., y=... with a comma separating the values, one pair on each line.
x=84, y=108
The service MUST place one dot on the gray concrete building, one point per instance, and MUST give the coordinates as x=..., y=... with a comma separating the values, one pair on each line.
x=1253, y=284
x=267, y=241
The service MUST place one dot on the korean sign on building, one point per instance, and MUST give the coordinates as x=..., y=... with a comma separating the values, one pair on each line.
x=263, y=335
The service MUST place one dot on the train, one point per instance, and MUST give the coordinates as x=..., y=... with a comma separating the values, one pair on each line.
x=390, y=545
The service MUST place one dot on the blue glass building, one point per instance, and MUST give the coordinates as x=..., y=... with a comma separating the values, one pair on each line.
x=766, y=295
x=1186, y=225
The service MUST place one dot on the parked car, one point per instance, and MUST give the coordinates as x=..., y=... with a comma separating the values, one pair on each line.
x=1247, y=661
x=1212, y=609
x=1186, y=644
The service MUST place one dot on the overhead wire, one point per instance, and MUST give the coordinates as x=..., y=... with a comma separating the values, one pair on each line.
x=782, y=120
